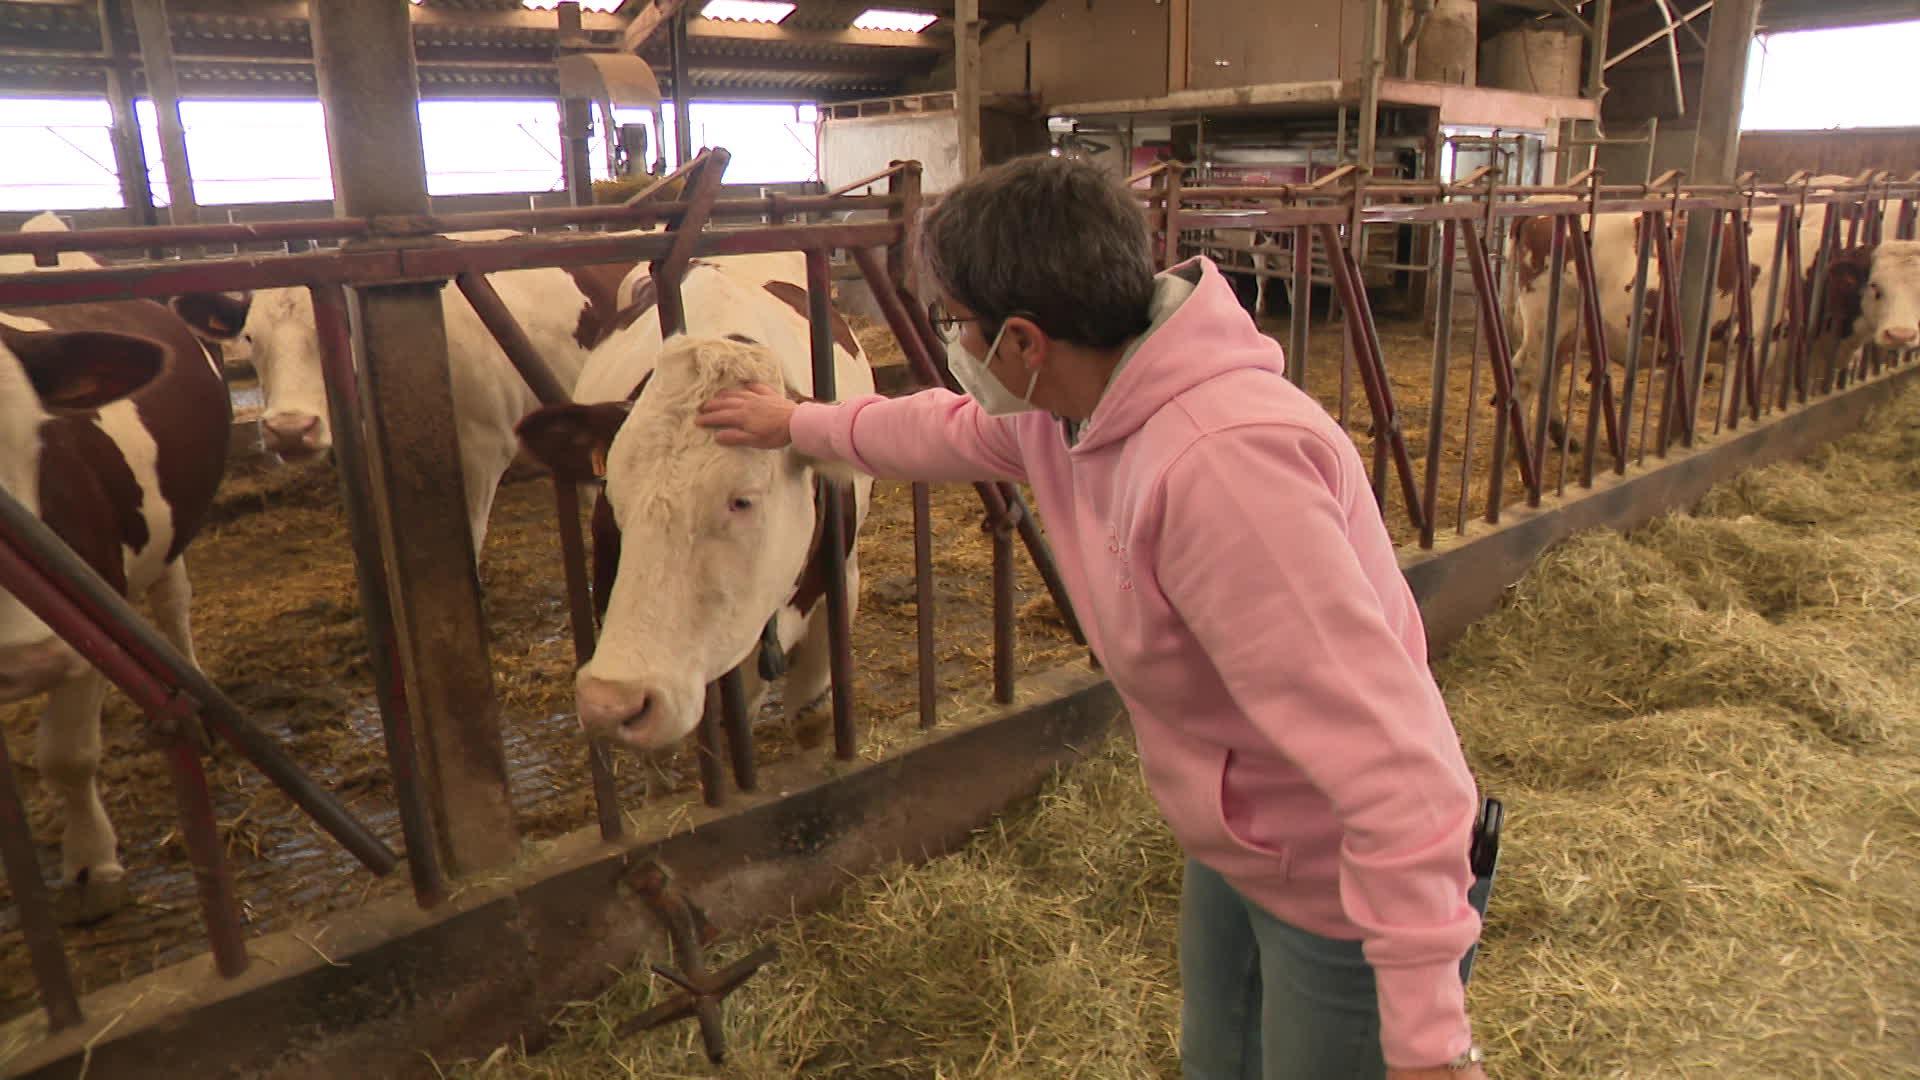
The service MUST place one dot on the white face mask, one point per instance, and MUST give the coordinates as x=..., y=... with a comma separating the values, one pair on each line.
x=994, y=397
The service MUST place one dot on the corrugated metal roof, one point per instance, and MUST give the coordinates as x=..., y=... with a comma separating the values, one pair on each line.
x=466, y=47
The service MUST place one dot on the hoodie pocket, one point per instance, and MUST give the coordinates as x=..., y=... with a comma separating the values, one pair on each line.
x=1242, y=823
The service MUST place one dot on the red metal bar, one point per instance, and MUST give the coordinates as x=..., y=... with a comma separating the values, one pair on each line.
x=923, y=603
x=376, y=606
x=739, y=731
x=713, y=783
x=573, y=560
x=1001, y=530
x=1437, y=404
x=202, y=836
x=832, y=541
x=512, y=339
x=684, y=229
x=104, y=628
x=1507, y=406
x=418, y=226
x=1769, y=326
x=1549, y=362
x=37, y=924
x=1678, y=395
x=1362, y=337
x=171, y=715
x=387, y=265
x=1636, y=324
x=1300, y=300
x=1600, y=371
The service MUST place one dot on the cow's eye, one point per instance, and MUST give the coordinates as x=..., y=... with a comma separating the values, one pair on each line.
x=1876, y=291
x=740, y=504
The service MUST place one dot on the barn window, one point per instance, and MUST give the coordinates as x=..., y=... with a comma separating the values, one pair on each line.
x=1853, y=77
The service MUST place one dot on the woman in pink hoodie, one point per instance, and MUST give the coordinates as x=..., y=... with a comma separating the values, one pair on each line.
x=1222, y=547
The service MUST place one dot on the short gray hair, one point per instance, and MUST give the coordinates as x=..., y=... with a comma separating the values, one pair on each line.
x=1055, y=240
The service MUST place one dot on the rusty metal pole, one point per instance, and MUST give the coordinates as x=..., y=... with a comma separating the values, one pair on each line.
x=832, y=541
x=37, y=925
x=376, y=606
x=163, y=85
x=363, y=56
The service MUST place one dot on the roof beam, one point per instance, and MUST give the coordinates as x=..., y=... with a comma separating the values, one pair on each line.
x=644, y=25
x=729, y=30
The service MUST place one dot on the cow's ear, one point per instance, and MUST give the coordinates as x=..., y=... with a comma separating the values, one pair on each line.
x=573, y=440
x=84, y=369
x=216, y=316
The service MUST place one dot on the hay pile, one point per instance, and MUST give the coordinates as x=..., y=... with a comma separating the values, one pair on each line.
x=1706, y=740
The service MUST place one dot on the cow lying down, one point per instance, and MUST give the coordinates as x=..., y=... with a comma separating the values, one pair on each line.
x=701, y=552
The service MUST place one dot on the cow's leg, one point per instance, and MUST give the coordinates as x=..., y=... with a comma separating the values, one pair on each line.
x=69, y=760
x=481, y=469
x=172, y=600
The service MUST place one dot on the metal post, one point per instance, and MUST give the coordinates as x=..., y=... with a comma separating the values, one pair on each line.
x=966, y=67
x=363, y=53
x=575, y=116
x=1437, y=405
x=37, y=925
x=163, y=85
x=376, y=607
x=129, y=152
x=682, y=89
x=1716, y=149
x=833, y=542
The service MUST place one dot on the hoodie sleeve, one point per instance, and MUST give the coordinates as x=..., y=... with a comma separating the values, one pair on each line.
x=934, y=435
x=1256, y=558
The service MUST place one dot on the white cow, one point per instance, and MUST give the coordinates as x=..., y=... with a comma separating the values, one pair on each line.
x=700, y=549
x=558, y=310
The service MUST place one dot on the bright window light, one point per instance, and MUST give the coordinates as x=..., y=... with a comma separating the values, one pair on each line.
x=760, y=11
x=585, y=5
x=890, y=19
x=1858, y=76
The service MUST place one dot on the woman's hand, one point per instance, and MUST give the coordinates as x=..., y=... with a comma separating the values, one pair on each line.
x=756, y=415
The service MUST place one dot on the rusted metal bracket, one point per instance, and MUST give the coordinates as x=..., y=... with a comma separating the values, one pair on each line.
x=703, y=991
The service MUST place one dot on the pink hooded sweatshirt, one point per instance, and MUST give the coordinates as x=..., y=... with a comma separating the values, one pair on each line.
x=1222, y=547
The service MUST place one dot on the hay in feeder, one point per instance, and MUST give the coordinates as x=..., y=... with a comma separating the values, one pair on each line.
x=1706, y=741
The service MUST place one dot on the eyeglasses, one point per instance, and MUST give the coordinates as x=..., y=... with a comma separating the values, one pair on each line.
x=945, y=322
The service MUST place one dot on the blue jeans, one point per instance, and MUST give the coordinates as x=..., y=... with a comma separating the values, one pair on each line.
x=1266, y=1001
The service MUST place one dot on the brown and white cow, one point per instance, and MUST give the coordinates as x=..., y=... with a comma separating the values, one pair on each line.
x=702, y=552
x=113, y=430
x=1616, y=253
x=1873, y=297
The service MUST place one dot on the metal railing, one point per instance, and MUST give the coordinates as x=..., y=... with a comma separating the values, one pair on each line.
x=80, y=608
x=1766, y=339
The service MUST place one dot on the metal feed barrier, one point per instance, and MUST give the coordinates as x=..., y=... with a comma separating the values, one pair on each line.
x=1759, y=372
x=82, y=609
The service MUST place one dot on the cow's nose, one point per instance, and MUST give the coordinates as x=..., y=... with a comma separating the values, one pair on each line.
x=27, y=670
x=613, y=709
x=1899, y=336
x=292, y=434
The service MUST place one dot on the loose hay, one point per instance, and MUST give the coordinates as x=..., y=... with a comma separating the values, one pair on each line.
x=1706, y=740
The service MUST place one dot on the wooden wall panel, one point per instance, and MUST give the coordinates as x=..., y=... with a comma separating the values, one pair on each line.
x=1775, y=155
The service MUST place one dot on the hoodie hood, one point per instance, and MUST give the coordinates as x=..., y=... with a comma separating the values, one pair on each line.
x=1198, y=332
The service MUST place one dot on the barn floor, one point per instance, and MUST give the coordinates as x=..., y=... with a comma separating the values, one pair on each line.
x=276, y=617
x=1706, y=740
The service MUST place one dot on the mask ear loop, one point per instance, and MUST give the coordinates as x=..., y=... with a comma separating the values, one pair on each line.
x=995, y=347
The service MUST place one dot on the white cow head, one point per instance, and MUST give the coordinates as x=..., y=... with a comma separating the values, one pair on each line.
x=43, y=374
x=1890, y=302
x=712, y=539
x=277, y=333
